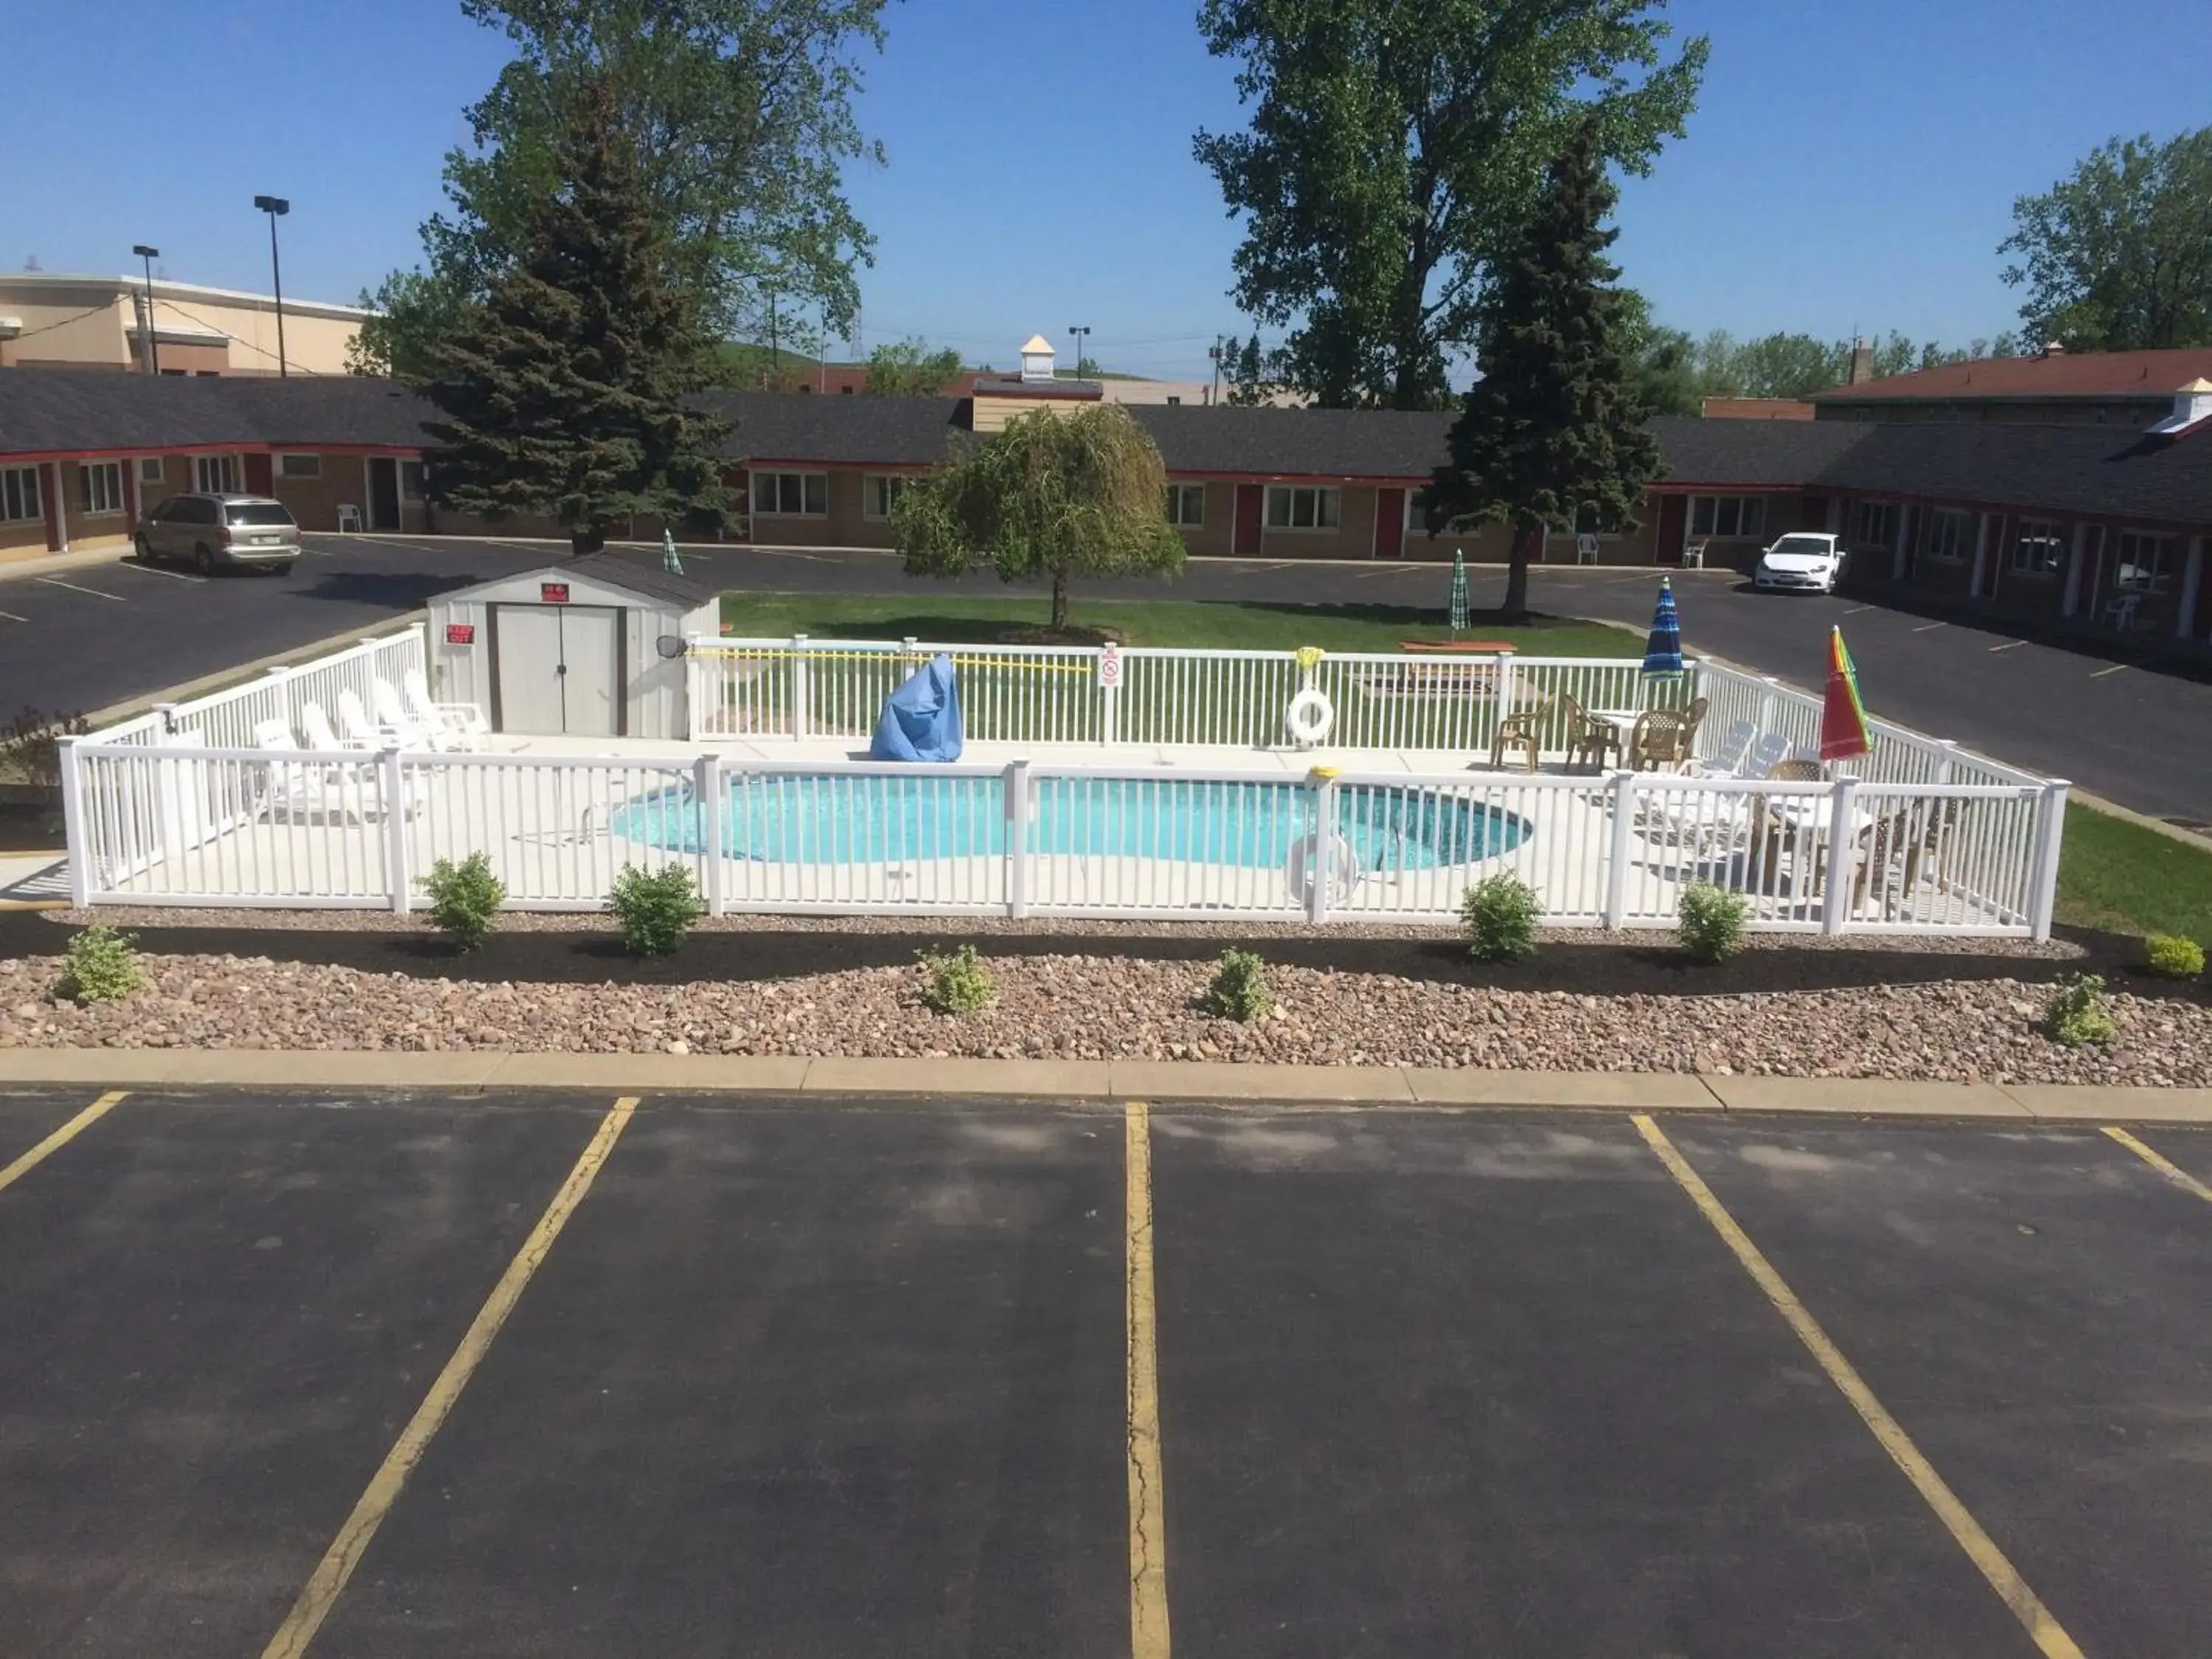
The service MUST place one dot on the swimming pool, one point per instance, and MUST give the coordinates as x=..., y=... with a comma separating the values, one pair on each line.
x=840, y=818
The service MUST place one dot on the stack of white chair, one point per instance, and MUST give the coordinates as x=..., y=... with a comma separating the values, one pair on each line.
x=462, y=724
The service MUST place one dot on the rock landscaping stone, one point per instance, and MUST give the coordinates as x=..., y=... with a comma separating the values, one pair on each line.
x=1094, y=1007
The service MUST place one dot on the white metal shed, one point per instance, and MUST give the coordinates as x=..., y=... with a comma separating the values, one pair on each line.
x=591, y=647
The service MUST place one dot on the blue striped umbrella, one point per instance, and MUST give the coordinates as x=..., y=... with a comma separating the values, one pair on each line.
x=1459, y=592
x=1662, y=652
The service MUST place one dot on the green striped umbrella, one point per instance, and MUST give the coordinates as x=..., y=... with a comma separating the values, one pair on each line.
x=1459, y=592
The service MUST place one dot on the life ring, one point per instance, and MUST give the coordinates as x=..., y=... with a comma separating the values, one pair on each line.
x=1311, y=717
x=1343, y=872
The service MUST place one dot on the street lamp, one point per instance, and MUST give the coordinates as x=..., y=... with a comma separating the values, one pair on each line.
x=153, y=346
x=276, y=207
x=1079, y=334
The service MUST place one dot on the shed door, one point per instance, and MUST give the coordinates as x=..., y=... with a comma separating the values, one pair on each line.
x=559, y=669
x=591, y=666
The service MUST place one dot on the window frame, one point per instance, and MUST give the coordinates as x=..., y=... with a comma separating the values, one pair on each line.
x=1961, y=545
x=1333, y=495
x=285, y=457
x=226, y=464
x=2162, y=565
x=158, y=475
x=29, y=494
x=1180, y=496
x=1748, y=514
x=1888, y=516
x=774, y=495
x=890, y=486
x=2020, y=539
x=111, y=472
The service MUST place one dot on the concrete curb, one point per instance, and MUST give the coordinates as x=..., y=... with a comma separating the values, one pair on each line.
x=1105, y=1081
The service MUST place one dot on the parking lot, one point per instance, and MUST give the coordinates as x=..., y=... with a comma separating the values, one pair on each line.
x=547, y=1375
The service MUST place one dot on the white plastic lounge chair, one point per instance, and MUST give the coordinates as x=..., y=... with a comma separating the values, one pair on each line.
x=363, y=732
x=315, y=727
x=307, y=789
x=1735, y=746
x=1768, y=753
x=392, y=715
x=465, y=720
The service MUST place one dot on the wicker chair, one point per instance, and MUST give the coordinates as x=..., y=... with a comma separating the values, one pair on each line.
x=1771, y=835
x=1920, y=832
x=1590, y=740
x=1662, y=737
x=1520, y=731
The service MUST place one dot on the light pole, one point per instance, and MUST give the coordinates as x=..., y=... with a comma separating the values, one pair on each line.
x=1080, y=334
x=153, y=346
x=276, y=207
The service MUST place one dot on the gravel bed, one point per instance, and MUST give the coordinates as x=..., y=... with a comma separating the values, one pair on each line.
x=1093, y=1007
x=1074, y=930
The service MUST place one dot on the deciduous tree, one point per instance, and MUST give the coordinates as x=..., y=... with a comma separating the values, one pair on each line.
x=2118, y=256
x=908, y=369
x=564, y=392
x=1053, y=494
x=1553, y=435
x=1396, y=147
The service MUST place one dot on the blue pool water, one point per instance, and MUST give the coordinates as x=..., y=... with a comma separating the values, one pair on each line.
x=841, y=819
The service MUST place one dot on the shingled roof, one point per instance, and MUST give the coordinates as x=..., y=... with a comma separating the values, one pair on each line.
x=2148, y=374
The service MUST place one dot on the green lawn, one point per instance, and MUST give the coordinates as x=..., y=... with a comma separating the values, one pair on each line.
x=956, y=619
x=2122, y=877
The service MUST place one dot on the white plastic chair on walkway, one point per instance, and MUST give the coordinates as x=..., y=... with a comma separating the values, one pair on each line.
x=307, y=789
x=365, y=734
x=315, y=727
x=1769, y=752
x=393, y=715
x=1724, y=762
x=463, y=720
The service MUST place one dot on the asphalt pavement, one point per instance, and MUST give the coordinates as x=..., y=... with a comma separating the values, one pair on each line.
x=94, y=636
x=565, y=1373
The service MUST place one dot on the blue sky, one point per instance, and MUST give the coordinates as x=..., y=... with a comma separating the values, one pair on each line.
x=1852, y=166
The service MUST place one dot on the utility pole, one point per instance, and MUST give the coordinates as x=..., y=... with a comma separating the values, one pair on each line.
x=1213, y=397
x=774, y=356
x=153, y=346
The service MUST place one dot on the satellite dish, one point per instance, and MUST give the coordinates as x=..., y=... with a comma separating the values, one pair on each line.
x=671, y=644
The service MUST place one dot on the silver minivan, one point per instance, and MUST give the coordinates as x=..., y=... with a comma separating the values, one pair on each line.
x=209, y=530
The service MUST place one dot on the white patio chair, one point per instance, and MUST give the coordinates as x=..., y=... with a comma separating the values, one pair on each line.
x=1724, y=762
x=463, y=719
x=307, y=789
x=315, y=727
x=362, y=733
x=1768, y=753
x=392, y=715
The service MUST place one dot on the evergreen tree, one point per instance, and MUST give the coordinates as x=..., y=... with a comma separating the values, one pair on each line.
x=1554, y=432
x=564, y=392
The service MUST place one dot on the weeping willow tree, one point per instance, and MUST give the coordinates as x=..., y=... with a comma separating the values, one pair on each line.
x=1053, y=494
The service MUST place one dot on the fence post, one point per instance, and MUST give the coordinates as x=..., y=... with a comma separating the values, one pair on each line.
x=1768, y=685
x=1842, y=850
x=167, y=711
x=1950, y=753
x=391, y=783
x=2049, y=837
x=707, y=791
x=1620, y=798
x=73, y=827
x=798, y=687
x=1017, y=839
x=1324, y=843
x=1504, y=680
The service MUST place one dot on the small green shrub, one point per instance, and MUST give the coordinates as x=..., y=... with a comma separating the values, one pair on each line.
x=1500, y=913
x=1712, y=921
x=956, y=981
x=2076, y=1015
x=103, y=964
x=30, y=745
x=2172, y=957
x=464, y=898
x=655, y=910
x=1239, y=988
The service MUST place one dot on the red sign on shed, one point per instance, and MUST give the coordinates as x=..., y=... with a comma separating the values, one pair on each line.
x=553, y=592
x=460, y=633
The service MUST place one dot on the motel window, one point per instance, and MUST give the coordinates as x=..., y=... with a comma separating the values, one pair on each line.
x=792, y=495
x=299, y=466
x=1186, y=504
x=152, y=469
x=19, y=495
x=2146, y=563
x=99, y=486
x=1876, y=525
x=2038, y=549
x=881, y=493
x=214, y=475
x=1727, y=515
x=1297, y=506
x=410, y=481
x=1950, y=536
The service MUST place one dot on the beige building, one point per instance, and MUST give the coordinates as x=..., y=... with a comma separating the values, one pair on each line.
x=49, y=321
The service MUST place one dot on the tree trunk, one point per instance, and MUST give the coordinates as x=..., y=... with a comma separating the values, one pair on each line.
x=1527, y=538
x=587, y=538
x=1060, y=599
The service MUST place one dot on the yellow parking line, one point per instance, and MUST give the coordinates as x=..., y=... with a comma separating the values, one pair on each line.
x=1148, y=1542
x=346, y=1550
x=2171, y=1171
x=60, y=1138
x=1981, y=1549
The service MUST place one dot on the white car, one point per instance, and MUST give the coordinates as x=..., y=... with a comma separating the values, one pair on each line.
x=1802, y=562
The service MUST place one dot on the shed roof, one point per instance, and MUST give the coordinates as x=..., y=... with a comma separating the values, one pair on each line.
x=624, y=573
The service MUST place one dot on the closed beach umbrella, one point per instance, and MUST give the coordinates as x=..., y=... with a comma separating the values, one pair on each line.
x=1843, y=716
x=1459, y=590
x=669, y=562
x=1662, y=652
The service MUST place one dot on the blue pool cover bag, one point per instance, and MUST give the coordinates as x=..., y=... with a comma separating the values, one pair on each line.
x=921, y=721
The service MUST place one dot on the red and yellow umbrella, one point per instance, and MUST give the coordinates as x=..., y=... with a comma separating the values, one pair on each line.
x=1843, y=716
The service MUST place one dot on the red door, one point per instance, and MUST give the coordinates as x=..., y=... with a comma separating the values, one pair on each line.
x=261, y=477
x=1251, y=501
x=1389, y=524
x=1674, y=517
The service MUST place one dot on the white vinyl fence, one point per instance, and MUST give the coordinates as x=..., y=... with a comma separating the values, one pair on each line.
x=227, y=719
